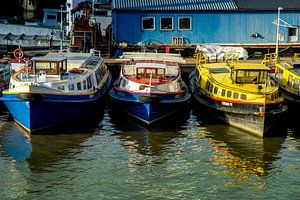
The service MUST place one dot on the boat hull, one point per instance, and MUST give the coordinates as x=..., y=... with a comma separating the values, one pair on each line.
x=149, y=108
x=36, y=111
x=262, y=124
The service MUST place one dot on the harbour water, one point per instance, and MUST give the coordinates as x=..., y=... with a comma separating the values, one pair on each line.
x=115, y=157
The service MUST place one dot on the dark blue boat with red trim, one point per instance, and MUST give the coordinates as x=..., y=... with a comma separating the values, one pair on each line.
x=150, y=86
x=55, y=89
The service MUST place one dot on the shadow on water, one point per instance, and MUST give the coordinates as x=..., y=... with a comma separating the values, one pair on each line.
x=149, y=139
x=47, y=147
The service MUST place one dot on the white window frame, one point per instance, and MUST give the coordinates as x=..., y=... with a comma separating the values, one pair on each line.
x=295, y=37
x=166, y=29
x=183, y=28
x=148, y=29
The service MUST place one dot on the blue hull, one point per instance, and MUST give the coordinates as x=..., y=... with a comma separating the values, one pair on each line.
x=40, y=111
x=149, y=108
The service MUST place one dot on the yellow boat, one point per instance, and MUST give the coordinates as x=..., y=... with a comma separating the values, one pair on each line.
x=287, y=77
x=239, y=94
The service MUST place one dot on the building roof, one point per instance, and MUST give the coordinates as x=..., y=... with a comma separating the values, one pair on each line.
x=174, y=5
x=205, y=5
x=268, y=4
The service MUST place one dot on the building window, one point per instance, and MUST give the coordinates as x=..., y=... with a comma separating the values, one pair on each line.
x=166, y=23
x=184, y=23
x=148, y=23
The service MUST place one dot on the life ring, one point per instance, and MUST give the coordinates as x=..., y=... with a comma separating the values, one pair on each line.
x=19, y=53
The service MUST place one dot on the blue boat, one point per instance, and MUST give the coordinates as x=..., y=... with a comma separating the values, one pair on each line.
x=55, y=89
x=150, y=86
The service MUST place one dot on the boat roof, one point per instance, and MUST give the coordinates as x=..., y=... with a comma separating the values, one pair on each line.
x=150, y=65
x=250, y=66
x=50, y=59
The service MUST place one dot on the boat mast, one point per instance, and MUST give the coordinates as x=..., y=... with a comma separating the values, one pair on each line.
x=277, y=32
x=278, y=24
x=61, y=28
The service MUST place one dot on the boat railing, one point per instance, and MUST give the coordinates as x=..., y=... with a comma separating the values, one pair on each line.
x=296, y=57
x=231, y=57
x=96, y=52
x=201, y=58
x=270, y=59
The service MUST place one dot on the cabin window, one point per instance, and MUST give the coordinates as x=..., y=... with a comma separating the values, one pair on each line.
x=160, y=73
x=216, y=90
x=123, y=83
x=84, y=85
x=184, y=23
x=207, y=85
x=150, y=73
x=240, y=76
x=51, y=68
x=243, y=96
x=71, y=87
x=211, y=88
x=252, y=76
x=98, y=75
x=263, y=76
x=148, y=23
x=51, y=17
x=229, y=93
x=79, y=86
x=61, y=87
x=89, y=82
x=278, y=73
x=166, y=23
x=296, y=84
x=223, y=92
x=140, y=72
x=235, y=95
x=290, y=80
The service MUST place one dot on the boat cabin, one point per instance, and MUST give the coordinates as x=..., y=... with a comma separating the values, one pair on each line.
x=51, y=66
x=154, y=73
x=249, y=74
x=288, y=74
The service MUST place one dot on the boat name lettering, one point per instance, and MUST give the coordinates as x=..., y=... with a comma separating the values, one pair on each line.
x=226, y=103
x=92, y=96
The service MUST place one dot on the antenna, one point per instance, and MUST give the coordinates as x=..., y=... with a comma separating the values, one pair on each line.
x=278, y=24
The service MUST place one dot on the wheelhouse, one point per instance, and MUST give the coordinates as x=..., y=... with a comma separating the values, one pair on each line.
x=154, y=73
x=256, y=74
x=51, y=66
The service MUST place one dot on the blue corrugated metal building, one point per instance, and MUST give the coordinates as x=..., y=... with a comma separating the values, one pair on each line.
x=245, y=22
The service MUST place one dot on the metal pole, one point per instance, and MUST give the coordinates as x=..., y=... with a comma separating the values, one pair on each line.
x=277, y=33
x=61, y=28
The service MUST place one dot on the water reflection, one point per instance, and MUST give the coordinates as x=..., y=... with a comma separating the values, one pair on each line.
x=149, y=140
x=47, y=147
x=243, y=153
